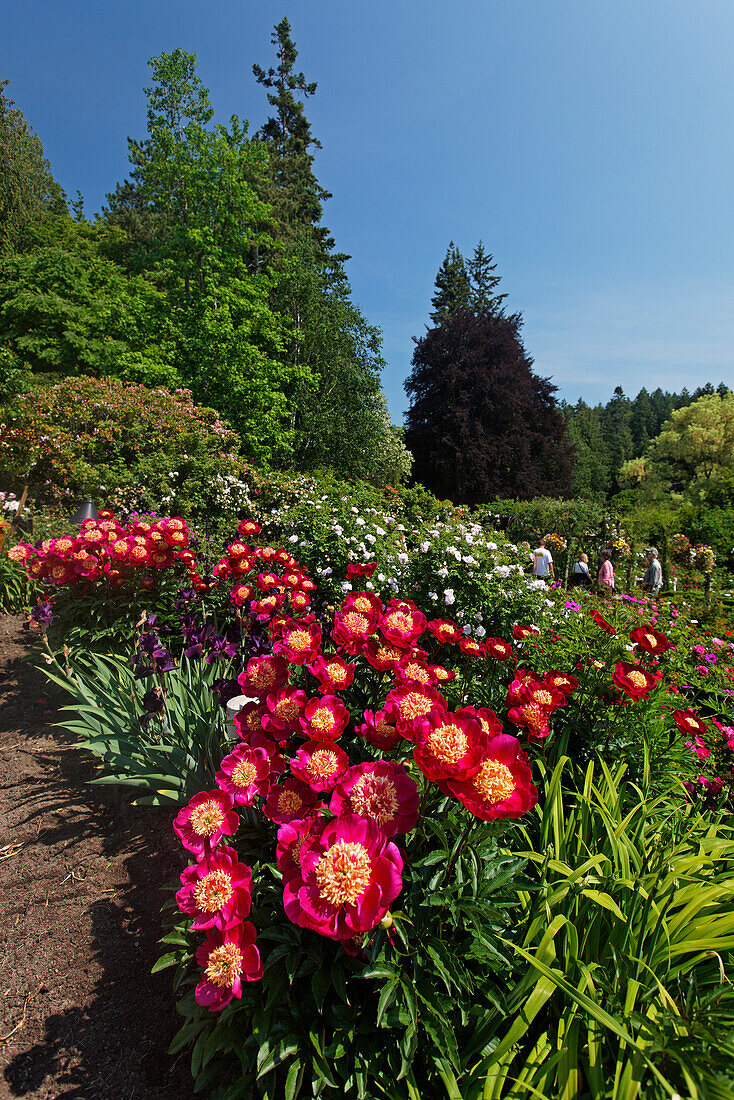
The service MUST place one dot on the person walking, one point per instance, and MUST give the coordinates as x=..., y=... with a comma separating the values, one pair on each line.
x=543, y=562
x=580, y=575
x=605, y=577
x=652, y=582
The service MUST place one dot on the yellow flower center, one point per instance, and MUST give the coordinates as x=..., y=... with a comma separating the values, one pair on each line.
x=213, y=891
x=637, y=679
x=650, y=639
x=323, y=720
x=288, y=709
x=254, y=720
x=208, y=818
x=63, y=546
x=387, y=653
x=375, y=797
x=414, y=705
x=385, y=729
x=362, y=604
x=343, y=873
x=224, y=965
x=535, y=716
x=323, y=763
x=416, y=672
x=263, y=676
x=447, y=743
x=299, y=639
x=337, y=675
x=244, y=773
x=356, y=623
x=494, y=782
x=399, y=620
x=289, y=802
x=296, y=848
x=543, y=697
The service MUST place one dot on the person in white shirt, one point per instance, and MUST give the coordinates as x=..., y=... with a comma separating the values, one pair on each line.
x=542, y=562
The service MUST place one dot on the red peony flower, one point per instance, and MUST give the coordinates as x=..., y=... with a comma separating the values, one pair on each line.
x=412, y=671
x=207, y=818
x=407, y=704
x=472, y=648
x=216, y=890
x=299, y=642
x=486, y=718
x=634, y=681
x=521, y=632
x=291, y=838
x=357, y=570
x=284, y=710
x=540, y=693
x=378, y=731
x=533, y=717
x=320, y=764
x=244, y=774
x=383, y=656
x=380, y=791
x=650, y=640
x=324, y=719
x=350, y=873
x=602, y=622
x=689, y=722
x=247, y=528
x=289, y=801
x=442, y=675
x=333, y=673
x=249, y=720
x=501, y=786
x=499, y=649
x=228, y=957
x=263, y=675
x=264, y=609
x=402, y=623
x=448, y=744
x=445, y=630
x=561, y=681
x=523, y=677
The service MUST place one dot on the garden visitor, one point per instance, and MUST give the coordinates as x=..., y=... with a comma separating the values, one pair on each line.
x=605, y=578
x=652, y=582
x=542, y=562
x=580, y=575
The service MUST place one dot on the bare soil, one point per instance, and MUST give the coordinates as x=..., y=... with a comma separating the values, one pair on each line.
x=81, y=872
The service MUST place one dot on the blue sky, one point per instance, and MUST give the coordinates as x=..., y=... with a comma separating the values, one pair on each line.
x=589, y=145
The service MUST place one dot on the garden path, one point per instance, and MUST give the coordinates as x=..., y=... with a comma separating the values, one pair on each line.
x=80, y=875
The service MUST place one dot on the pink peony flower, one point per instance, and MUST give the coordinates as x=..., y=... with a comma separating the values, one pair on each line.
x=207, y=818
x=349, y=875
x=402, y=623
x=324, y=718
x=382, y=792
x=245, y=774
x=216, y=891
x=333, y=673
x=320, y=764
x=283, y=711
x=299, y=642
x=291, y=838
x=378, y=731
x=501, y=786
x=228, y=957
x=289, y=801
x=263, y=676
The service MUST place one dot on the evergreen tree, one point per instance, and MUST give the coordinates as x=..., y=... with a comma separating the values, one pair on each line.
x=453, y=291
x=28, y=191
x=591, y=476
x=481, y=424
x=617, y=434
x=484, y=282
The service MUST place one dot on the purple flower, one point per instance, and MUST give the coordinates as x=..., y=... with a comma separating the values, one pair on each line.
x=573, y=606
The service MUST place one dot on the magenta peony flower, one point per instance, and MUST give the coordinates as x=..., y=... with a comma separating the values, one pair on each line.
x=324, y=718
x=284, y=708
x=216, y=891
x=381, y=792
x=299, y=642
x=263, y=676
x=378, y=731
x=228, y=957
x=320, y=764
x=245, y=774
x=207, y=818
x=349, y=875
x=449, y=745
x=289, y=801
x=402, y=623
x=291, y=838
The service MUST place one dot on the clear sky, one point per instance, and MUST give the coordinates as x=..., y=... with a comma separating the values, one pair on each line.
x=587, y=142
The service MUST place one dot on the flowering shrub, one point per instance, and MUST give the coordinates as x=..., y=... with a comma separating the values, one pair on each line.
x=556, y=543
x=680, y=548
x=703, y=558
x=139, y=448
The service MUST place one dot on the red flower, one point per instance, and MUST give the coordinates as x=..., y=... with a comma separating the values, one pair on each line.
x=499, y=648
x=501, y=786
x=248, y=528
x=689, y=722
x=249, y=720
x=449, y=745
x=634, y=681
x=561, y=681
x=228, y=957
x=350, y=873
x=442, y=675
x=486, y=718
x=291, y=838
x=408, y=703
x=412, y=671
x=240, y=593
x=284, y=711
x=265, y=608
x=522, y=632
x=352, y=629
x=535, y=718
x=402, y=623
x=602, y=622
x=263, y=675
x=383, y=656
x=380, y=791
x=324, y=718
x=320, y=764
x=207, y=818
x=650, y=640
x=244, y=774
x=216, y=891
x=445, y=630
x=289, y=801
x=356, y=570
x=378, y=731
x=365, y=603
x=333, y=673
x=472, y=648
x=300, y=642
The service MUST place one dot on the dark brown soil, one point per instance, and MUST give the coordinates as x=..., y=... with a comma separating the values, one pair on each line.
x=80, y=877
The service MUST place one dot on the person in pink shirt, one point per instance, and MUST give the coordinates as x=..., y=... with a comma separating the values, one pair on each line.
x=605, y=577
